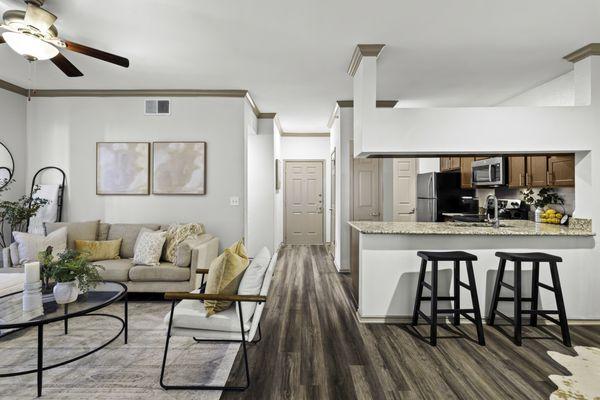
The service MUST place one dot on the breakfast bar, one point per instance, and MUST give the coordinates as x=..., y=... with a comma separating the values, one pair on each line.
x=385, y=268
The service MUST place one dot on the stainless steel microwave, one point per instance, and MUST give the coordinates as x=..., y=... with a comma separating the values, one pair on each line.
x=489, y=172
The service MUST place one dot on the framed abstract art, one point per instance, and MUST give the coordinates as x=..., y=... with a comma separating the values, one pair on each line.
x=122, y=168
x=179, y=168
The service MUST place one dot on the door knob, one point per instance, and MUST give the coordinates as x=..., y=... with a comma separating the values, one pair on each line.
x=412, y=211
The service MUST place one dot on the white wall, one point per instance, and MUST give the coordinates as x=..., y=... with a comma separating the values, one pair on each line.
x=556, y=92
x=64, y=132
x=425, y=165
x=13, y=136
x=278, y=197
x=260, y=218
x=311, y=148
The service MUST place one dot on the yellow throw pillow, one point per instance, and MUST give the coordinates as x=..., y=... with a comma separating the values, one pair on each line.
x=239, y=249
x=99, y=250
x=224, y=276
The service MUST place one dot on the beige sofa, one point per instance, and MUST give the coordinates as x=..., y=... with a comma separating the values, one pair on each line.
x=165, y=277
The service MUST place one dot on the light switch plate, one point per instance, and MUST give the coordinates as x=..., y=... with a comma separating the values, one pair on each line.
x=234, y=201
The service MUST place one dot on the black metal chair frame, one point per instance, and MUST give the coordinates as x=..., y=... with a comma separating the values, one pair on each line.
x=456, y=311
x=517, y=320
x=201, y=296
x=61, y=190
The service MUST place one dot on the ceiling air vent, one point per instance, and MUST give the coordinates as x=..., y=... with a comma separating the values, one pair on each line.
x=158, y=107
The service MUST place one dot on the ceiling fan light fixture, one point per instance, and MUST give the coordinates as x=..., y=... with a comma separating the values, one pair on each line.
x=30, y=46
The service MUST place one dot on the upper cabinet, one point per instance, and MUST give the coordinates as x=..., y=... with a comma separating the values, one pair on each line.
x=466, y=172
x=561, y=170
x=449, y=163
x=516, y=171
x=537, y=171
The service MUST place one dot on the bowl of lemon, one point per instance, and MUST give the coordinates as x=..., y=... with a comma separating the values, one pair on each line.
x=551, y=216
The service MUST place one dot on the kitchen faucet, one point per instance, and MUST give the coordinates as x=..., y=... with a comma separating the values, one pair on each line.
x=496, y=221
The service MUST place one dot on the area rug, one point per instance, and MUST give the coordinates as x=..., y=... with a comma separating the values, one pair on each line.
x=119, y=371
x=584, y=381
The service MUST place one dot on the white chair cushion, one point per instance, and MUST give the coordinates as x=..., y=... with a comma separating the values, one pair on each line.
x=252, y=281
x=190, y=314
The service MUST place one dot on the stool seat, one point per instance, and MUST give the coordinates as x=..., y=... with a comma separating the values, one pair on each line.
x=528, y=257
x=447, y=256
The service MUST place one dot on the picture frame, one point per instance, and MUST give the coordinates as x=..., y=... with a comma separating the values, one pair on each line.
x=179, y=168
x=122, y=168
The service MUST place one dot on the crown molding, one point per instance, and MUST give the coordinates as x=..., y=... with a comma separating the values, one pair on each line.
x=360, y=51
x=252, y=103
x=266, y=115
x=12, y=88
x=592, y=49
x=378, y=103
x=138, y=93
x=277, y=123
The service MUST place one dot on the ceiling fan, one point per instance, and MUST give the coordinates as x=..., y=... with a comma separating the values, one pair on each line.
x=32, y=34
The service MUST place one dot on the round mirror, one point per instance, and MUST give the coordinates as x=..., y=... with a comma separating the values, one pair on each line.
x=7, y=165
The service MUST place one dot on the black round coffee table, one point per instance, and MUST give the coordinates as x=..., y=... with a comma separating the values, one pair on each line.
x=95, y=299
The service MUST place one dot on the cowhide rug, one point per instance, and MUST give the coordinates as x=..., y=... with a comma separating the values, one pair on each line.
x=584, y=381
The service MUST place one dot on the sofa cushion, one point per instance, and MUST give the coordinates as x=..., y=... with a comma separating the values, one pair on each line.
x=183, y=253
x=252, y=281
x=115, y=270
x=129, y=234
x=191, y=314
x=29, y=245
x=97, y=250
x=103, y=228
x=75, y=230
x=165, y=272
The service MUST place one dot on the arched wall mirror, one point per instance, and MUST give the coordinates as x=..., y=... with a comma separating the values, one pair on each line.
x=7, y=165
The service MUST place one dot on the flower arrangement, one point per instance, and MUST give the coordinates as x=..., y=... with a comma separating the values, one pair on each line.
x=69, y=266
x=16, y=213
x=543, y=198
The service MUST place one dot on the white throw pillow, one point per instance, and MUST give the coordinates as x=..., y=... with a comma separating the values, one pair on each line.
x=252, y=281
x=29, y=245
x=148, y=247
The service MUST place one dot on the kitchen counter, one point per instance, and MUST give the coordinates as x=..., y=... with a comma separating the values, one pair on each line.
x=384, y=265
x=507, y=228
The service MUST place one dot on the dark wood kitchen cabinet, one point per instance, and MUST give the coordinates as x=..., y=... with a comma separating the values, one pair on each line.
x=537, y=171
x=561, y=170
x=466, y=172
x=449, y=163
x=516, y=171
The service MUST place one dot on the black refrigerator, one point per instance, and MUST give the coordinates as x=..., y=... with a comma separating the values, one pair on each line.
x=440, y=192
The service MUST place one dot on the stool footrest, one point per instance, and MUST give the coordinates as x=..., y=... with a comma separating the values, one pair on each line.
x=467, y=316
x=506, y=285
x=511, y=320
x=547, y=287
x=468, y=287
x=452, y=311
x=539, y=311
x=427, y=285
x=440, y=298
x=513, y=299
x=549, y=318
x=425, y=317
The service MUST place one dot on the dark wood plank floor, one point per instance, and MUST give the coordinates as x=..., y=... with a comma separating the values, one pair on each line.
x=313, y=347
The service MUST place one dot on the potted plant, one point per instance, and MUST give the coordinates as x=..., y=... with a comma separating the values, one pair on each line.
x=73, y=274
x=16, y=213
x=542, y=199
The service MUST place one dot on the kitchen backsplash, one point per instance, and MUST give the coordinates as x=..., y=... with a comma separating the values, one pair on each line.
x=567, y=193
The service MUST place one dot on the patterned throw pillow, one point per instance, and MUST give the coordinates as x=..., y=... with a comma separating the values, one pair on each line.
x=177, y=234
x=148, y=248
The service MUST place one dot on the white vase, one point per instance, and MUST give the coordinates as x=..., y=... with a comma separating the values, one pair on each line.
x=538, y=214
x=65, y=292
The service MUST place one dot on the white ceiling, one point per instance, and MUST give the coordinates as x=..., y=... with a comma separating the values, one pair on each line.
x=292, y=56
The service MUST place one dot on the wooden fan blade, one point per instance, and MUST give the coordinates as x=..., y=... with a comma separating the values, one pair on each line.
x=99, y=54
x=65, y=66
x=2, y=40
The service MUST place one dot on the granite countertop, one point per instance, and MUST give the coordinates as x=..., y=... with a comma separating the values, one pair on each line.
x=507, y=228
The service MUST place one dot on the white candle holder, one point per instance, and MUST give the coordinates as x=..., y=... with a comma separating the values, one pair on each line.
x=32, y=297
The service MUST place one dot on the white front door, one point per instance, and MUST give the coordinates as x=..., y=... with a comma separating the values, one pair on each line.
x=404, y=189
x=304, y=202
x=366, y=189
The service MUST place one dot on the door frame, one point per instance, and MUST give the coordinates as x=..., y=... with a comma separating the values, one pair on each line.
x=323, y=183
x=332, y=199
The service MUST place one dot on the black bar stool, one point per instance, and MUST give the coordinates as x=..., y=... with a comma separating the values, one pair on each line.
x=536, y=259
x=456, y=311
